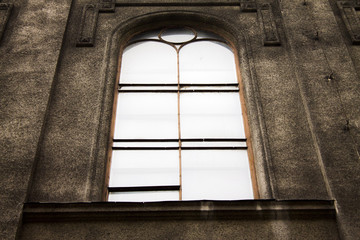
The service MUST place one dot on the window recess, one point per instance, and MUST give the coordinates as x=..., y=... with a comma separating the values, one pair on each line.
x=179, y=131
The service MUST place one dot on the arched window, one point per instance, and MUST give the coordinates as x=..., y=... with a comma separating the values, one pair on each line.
x=179, y=131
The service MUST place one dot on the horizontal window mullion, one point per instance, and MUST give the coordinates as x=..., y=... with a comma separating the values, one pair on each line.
x=148, y=85
x=145, y=140
x=213, y=139
x=145, y=148
x=214, y=148
x=144, y=188
x=209, y=90
x=175, y=84
x=182, y=148
x=184, y=140
x=152, y=90
x=175, y=91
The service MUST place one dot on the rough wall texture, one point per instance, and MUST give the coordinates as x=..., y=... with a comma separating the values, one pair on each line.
x=56, y=99
x=29, y=52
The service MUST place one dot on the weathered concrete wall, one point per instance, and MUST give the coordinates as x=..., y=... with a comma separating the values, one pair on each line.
x=29, y=52
x=56, y=101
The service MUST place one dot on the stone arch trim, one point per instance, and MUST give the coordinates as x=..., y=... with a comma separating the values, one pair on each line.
x=235, y=35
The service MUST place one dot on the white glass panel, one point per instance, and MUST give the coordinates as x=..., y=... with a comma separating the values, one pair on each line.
x=202, y=88
x=211, y=115
x=148, y=88
x=151, y=196
x=216, y=175
x=144, y=168
x=149, y=62
x=146, y=144
x=177, y=35
x=207, y=62
x=213, y=144
x=146, y=115
x=146, y=35
x=209, y=35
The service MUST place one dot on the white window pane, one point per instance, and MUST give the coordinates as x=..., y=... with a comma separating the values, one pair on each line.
x=208, y=35
x=144, y=168
x=149, y=62
x=148, y=196
x=148, y=88
x=146, y=35
x=177, y=35
x=146, y=115
x=217, y=88
x=216, y=175
x=214, y=144
x=145, y=144
x=207, y=62
x=211, y=115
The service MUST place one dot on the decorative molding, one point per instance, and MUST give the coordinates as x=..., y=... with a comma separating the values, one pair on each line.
x=5, y=11
x=268, y=25
x=88, y=25
x=107, y=6
x=248, y=6
x=348, y=13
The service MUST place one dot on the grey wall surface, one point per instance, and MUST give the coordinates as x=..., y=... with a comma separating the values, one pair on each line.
x=57, y=97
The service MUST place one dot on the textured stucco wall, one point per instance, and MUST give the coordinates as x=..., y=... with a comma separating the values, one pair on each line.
x=56, y=100
x=29, y=52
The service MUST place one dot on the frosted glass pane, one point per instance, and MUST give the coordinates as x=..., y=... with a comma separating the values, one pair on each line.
x=148, y=88
x=177, y=35
x=210, y=35
x=202, y=88
x=146, y=144
x=146, y=115
x=149, y=62
x=213, y=144
x=207, y=62
x=144, y=168
x=151, y=196
x=211, y=115
x=216, y=175
x=146, y=35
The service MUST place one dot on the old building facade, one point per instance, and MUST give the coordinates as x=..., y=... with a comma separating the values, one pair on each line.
x=297, y=62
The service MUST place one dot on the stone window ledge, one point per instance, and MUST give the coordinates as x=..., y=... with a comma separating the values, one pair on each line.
x=201, y=210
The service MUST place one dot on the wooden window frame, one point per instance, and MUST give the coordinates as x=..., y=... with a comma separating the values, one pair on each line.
x=240, y=90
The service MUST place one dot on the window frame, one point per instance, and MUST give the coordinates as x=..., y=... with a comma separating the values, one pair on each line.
x=240, y=91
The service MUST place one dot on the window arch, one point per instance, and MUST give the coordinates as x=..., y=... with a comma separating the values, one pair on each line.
x=179, y=131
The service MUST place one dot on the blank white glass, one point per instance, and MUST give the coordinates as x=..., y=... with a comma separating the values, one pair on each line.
x=146, y=144
x=177, y=35
x=146, y=35
x=146, y=116
x=216, y=175
x=214, y=144
x=208, y=35
x=148, y=196
x=218, y=88
x=211, y=115
x=148, y=88
x=144, y=168
x=207, y=62
x=149, y=62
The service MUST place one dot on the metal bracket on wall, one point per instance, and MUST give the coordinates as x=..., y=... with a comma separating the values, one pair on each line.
x=248, y=6
x=5, y=11
x=348, y=13
x=268, y=25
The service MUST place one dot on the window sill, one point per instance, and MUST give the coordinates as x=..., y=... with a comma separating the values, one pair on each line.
x=180, y=210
